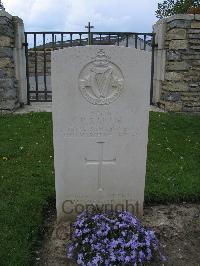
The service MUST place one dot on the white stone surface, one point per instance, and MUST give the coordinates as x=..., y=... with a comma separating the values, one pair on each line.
x=100, y=126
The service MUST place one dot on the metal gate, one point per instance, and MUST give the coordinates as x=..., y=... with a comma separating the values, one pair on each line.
x=40, y=44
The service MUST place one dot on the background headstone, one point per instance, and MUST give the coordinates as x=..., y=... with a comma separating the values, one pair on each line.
x=100, y=120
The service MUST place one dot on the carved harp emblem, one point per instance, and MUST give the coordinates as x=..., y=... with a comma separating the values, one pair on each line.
x=101, y=81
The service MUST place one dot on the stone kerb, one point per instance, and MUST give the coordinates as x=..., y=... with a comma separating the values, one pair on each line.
x=12, y=71
x=177, y=75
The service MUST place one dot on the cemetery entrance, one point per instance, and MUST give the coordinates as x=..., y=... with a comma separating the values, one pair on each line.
x=38, y=47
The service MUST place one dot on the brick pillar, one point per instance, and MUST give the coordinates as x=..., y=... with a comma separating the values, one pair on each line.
x=12, y=62
x=179, y=78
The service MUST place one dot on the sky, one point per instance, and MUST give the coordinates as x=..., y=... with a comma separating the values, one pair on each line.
x=73, y=15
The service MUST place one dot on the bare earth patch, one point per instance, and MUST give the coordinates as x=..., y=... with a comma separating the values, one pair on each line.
x=177, y=228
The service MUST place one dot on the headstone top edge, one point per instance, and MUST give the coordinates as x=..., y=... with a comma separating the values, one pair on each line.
x=106, y=47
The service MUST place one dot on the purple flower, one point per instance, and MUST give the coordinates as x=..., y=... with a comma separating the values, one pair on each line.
x=86, y=230
x=112, y=257
x=80, y=259
x=113, y=244
x=127, y=259
x=123, y=233
x=111, y=239
x=141, y=256
x=70, y=251
x=78, y=232
x=149, y=254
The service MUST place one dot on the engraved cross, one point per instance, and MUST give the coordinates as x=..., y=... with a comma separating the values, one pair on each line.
x=100, y=162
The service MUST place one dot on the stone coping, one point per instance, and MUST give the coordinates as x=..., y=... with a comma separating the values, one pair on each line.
x=3, y=13
x=178, y=17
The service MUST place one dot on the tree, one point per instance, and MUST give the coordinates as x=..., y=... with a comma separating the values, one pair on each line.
x=1, y=6
x=172, y=7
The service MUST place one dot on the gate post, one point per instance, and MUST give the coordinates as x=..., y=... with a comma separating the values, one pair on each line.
x=12, y=70
x=159, y=60
x=177, y=63
x=20, y=60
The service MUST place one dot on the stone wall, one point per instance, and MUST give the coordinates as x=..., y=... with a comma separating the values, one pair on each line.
x=177, y=63
x=8, y=83
x=11, y=69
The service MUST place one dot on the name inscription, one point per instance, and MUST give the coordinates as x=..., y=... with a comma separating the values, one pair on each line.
x=97, y=124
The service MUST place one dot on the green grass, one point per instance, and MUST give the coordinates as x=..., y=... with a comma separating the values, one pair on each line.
x=26, y=182
x=173, y=165
x=27, y=178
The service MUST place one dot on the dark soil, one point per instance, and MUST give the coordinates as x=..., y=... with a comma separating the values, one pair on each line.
x=177, y=227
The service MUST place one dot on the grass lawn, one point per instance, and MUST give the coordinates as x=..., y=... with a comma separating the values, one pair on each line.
x=27, y=177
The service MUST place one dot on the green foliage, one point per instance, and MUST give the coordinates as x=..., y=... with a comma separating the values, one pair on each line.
x=172, y=7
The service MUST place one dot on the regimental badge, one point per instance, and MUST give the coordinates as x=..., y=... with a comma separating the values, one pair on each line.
x=101, y=81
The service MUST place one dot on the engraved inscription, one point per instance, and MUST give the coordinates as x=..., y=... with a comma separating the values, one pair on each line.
x=101, y=81
x=97, y=124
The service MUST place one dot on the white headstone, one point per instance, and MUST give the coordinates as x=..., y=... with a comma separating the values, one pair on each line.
x=100, y=126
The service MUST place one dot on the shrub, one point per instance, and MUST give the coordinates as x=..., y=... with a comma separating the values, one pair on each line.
x=172, y=7
x=193, y=10
x=111, y=239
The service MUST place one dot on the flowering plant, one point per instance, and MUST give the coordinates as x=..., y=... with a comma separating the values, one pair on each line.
x=111, y=239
